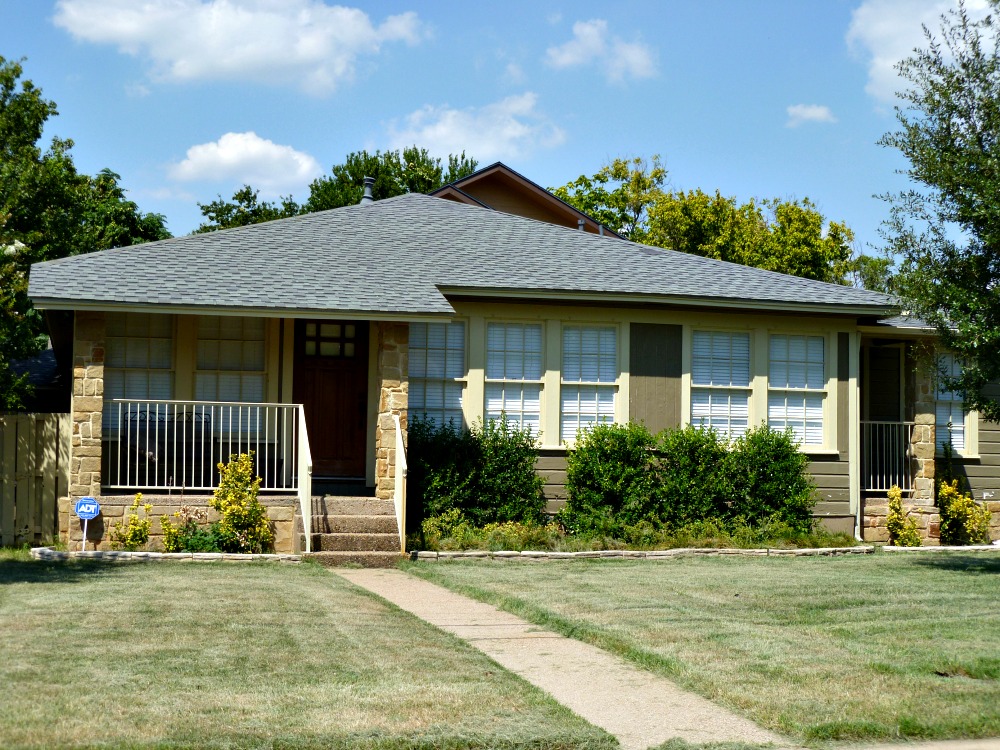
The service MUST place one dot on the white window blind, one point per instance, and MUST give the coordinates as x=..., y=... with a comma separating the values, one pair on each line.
x=720, y=381
x=589, y=377
x=949, y=414
x=797, y=386
x=230, y=361
x=437, y=367
x=138, y=362
x=514, y=373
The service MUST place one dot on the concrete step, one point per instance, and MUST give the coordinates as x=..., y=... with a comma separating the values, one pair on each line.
x=353, y=542
x=362, y=559
x=350, y=524
x=331, y=505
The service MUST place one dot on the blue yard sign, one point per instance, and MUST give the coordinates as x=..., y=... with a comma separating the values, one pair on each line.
x=87, y=508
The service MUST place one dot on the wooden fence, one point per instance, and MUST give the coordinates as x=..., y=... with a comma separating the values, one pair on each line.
x=34, y=474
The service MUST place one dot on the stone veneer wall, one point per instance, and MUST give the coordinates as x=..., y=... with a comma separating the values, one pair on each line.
x=392, y=368
x=87, y=405
x=280, y=511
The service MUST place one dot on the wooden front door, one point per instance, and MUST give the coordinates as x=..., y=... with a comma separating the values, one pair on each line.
x=331, y=382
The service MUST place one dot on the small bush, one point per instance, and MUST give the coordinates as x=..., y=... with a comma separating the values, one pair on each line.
x=770, y=479
x=611, y=480
x=188, y=534
x=693, y=477
x=902, y=529
x=963, y=520
x=487, y=473
x=243, y=526
x=132, y=533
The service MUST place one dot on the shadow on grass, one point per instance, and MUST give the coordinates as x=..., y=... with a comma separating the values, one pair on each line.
x=961, y=562
x=47, y=571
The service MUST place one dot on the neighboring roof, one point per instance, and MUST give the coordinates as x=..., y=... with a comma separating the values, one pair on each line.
x=400, y=257
x=42, y=369
x=906, y=322
x=475, y=189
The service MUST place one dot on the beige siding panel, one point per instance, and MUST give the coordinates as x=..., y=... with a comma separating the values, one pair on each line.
x=655, y=375
x=838, y=524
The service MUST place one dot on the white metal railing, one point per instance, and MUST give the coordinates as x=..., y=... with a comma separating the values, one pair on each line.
x=886, y=453
x=399, y=485
x=168, y=445
x=305, y=469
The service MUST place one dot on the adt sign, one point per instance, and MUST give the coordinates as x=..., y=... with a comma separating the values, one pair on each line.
x=87, y=508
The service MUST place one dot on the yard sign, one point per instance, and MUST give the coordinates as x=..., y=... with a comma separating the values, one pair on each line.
x=87, y=508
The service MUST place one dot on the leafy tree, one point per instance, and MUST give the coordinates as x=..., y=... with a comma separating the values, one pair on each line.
x=48, y=210
x=946, y=228
x=620, y=195
x=244, y=209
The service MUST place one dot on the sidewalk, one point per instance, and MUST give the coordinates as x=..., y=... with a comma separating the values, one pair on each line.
x=639, y=708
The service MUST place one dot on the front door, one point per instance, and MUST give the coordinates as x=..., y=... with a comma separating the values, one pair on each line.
x=331, y=382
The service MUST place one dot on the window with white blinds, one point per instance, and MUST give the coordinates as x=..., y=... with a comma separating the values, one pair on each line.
x=949, y=414
x=589, y=378
x=797, y=386
x=514, y=373
x=720, y=381
x=437, y=371
x=230, y=359
x=138, y=361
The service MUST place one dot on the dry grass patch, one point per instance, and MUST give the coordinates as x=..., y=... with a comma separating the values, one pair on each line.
x=853, y=648
x=246, y=656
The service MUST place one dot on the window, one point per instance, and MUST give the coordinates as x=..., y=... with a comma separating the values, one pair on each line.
x=514, y=373
x=949, y=415
x=230, y=364
x=720, y=382
x=139, y=361
x=797, y=386
x=437, y=367
x=589, y=375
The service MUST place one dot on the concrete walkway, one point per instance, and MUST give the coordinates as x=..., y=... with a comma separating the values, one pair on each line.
x=639, y=708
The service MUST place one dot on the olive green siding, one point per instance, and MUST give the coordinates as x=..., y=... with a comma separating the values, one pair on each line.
x=843, y=392
x=655, y=375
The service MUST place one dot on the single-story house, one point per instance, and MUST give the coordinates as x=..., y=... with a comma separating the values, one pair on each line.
x=310, y=341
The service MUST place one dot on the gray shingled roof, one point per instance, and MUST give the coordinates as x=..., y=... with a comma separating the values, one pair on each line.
x=396, y=255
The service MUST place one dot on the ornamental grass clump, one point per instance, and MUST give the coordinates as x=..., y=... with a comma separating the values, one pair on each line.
x=132, y=533
x=963, y=520
x=902, y=528
x=243, y=524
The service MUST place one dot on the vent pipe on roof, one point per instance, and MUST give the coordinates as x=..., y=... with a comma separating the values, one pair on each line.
x=600, y=230
x=368, y=197
x=579, y=224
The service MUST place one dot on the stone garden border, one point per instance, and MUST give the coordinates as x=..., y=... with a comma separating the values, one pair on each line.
x=650, y=555
x=946, y=548
x=47, y=553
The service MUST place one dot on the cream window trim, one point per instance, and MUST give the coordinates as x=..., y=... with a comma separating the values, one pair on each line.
x=418, y=384
x=615, y=385
x=828, y=392
x=523, y=383
x=970, y=423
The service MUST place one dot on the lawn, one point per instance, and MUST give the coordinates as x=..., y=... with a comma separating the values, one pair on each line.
x=224, y=655
x=870, y=647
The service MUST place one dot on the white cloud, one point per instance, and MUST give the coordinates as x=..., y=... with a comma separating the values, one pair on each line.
x=507, y=129
x=802, y=113
x=299, y=42
x=246, y=158
x=885, y=31
x=593, y=44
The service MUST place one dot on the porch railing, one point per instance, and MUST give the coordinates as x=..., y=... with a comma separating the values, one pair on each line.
x=174, y=445
x=399, y=485
x=886, y=453
x=305, y=479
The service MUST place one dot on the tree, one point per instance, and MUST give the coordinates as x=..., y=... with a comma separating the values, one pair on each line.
x=790, y=236
x=244, y=209
x=620, y=195
x=47, y=210
x=946, y=228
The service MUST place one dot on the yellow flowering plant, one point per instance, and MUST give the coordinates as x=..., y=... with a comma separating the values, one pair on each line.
x=243, y=525
x=132, y=532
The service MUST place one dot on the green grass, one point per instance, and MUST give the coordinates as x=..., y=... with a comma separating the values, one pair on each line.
x=873, y=647
x=246, y=656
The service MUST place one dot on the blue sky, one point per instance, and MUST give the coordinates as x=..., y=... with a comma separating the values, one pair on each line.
x=188, y=99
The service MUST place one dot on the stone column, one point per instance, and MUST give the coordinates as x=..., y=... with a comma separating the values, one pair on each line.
x=393, y=354
x=87, y=405
x=922, y=444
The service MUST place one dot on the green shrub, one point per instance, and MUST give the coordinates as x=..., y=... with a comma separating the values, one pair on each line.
x=188, y=534
x=243, y=526
x=770, y=479
x=611, y=480
x=902, y=529
x=487, y=473
x=694, y=482
x=132, y=532
x=963, y=520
